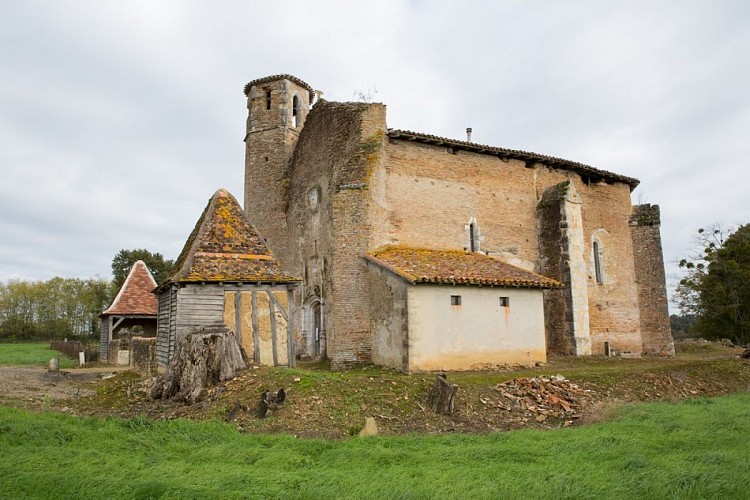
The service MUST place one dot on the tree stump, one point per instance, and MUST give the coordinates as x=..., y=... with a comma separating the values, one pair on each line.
x=440, y=398
x=205, y=357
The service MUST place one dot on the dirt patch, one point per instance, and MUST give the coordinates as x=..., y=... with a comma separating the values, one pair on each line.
x=322, y=403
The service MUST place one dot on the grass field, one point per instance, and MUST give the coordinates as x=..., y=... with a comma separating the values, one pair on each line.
x=32, y=354
x=694, y=449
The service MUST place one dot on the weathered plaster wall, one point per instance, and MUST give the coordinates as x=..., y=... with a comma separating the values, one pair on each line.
x=656, y=331
x=479, y=333
x=389, y=319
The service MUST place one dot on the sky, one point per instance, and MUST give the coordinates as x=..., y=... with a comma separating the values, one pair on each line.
x=118, y=120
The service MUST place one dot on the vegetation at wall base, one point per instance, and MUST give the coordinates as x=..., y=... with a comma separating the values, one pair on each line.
x=654, y=450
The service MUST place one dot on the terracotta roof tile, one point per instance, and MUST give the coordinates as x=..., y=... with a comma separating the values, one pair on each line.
x=224, y=246
x=134, y=297
x=457, y=267
x=552, y=161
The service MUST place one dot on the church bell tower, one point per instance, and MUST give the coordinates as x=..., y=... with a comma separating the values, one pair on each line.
x=277, y=107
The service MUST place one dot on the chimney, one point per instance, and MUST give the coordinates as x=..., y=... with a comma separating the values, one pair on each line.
x=468, y=134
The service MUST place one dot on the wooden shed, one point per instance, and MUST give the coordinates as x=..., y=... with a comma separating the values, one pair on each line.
x=134, y=305
x=226, y=274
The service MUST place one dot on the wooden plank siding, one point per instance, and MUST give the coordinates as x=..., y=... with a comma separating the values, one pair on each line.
x=182, y=309
x=104, y=337
x=163, y=327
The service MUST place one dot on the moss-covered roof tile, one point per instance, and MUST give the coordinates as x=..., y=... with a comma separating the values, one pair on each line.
x=456, y=267
x=225, y=247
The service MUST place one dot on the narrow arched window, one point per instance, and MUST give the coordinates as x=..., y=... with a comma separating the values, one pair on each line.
x=473, y=237
x=296, y=112
x=268, y=99
x=598, y=264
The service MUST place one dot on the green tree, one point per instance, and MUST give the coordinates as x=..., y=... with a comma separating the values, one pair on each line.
x=125, y=259
x=716, y=288
x=57, y=308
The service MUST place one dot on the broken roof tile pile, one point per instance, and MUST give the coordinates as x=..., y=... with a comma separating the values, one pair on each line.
x=134, y=297
x=224, y=247
x=456, y=267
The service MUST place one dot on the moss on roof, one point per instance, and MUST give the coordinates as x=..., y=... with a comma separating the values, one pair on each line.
x=225, y=247
x=456, y=267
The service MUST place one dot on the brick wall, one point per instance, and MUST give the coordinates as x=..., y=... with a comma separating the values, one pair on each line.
x=431, y=194
x=656, y=332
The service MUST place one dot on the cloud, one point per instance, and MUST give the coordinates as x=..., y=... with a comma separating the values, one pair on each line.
x=117, y=122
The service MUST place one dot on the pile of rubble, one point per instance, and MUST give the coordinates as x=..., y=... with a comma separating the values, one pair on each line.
x=540, y=398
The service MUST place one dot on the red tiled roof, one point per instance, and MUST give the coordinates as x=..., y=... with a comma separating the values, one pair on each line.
x=456, y=267
x=224, y=247
x=551, y=161
x=135, y=297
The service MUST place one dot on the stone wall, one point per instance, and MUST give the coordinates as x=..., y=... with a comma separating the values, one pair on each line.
x=269, y=145
x=143, y=355
x=656, y=331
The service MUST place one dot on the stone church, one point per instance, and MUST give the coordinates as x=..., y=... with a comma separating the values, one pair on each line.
x=424, y=253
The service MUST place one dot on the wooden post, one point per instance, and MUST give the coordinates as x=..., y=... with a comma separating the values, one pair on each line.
x=292, y=313
x=272, y=313
x=256, y=334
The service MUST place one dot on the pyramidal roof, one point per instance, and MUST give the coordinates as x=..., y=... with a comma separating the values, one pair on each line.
x=134, y=297
x=224, y=246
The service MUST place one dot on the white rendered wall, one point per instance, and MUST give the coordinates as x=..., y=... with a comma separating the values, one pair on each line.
x=478, y=334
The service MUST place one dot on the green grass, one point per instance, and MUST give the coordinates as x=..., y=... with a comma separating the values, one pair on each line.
x=32, y=354
x=694, y=449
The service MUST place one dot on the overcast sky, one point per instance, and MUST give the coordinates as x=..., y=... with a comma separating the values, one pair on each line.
x=118, y=120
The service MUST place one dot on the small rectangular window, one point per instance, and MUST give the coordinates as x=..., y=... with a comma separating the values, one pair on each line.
x=455, y=300
x=504, y=301
x=268, y=99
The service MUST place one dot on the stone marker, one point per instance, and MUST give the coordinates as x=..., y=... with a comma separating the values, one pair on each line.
x=54, y=365
x=370, y=428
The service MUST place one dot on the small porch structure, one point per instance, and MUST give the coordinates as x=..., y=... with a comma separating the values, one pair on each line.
x=134, y=306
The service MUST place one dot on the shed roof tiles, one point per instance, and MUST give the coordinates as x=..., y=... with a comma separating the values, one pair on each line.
x=455, y=267
x=225, y=247
x=134, y=297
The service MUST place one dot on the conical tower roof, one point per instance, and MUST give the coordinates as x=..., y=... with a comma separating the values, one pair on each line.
x=134, y=297
x=225, y=247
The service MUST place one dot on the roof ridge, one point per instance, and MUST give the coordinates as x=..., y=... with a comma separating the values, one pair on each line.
x=512, y=153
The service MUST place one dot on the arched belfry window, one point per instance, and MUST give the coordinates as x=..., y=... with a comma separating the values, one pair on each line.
x=296, y=112
x=598, y=271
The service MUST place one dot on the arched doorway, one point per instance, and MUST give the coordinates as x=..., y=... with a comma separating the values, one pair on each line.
x=317, y=329
x=313, y=329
